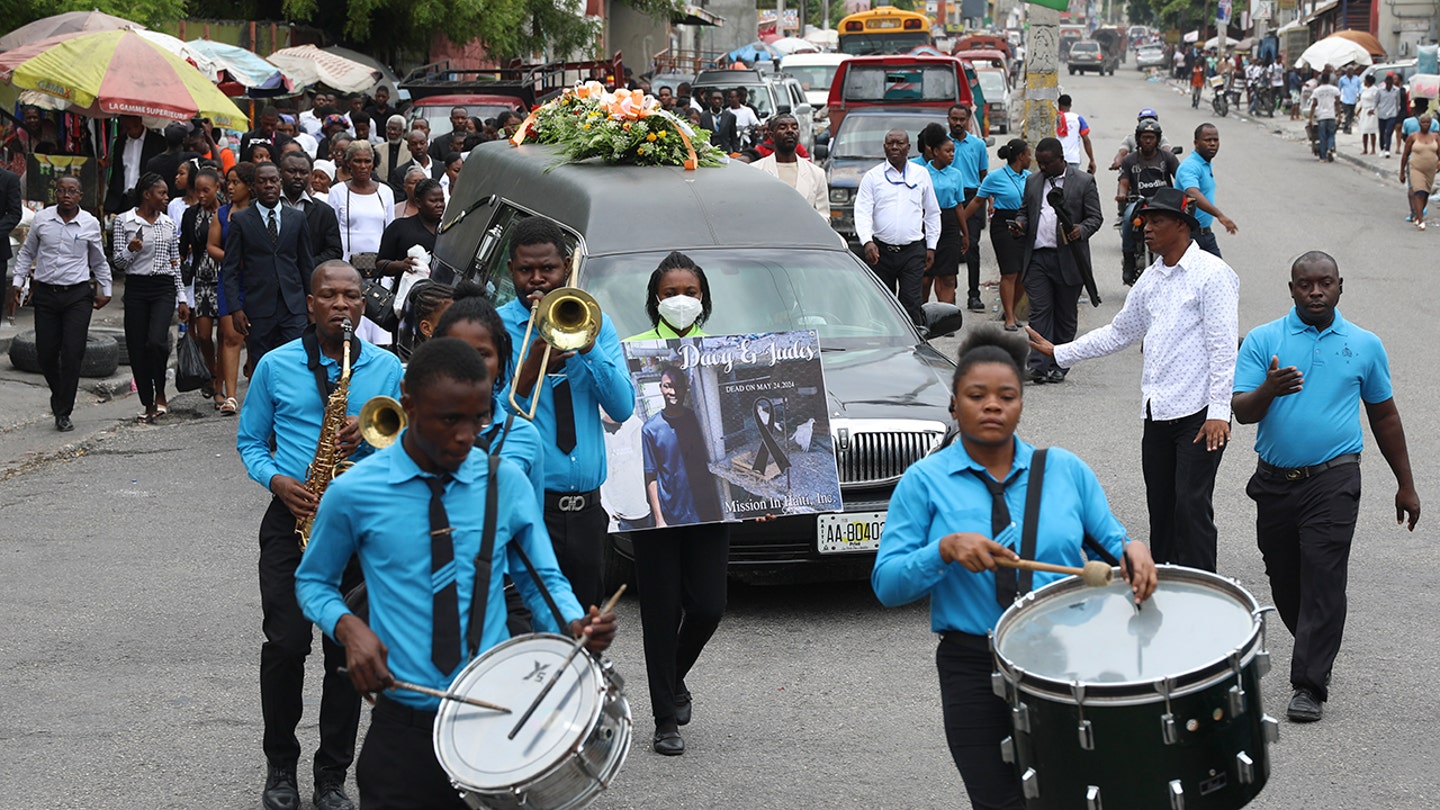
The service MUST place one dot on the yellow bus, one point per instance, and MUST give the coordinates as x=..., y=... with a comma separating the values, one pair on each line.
x=884, y=30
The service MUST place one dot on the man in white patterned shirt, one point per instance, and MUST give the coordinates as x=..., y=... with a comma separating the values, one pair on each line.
x=1186, y=309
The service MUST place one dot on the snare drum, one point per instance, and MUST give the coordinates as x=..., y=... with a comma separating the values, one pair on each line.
x=1124, y=709
x=564, y=756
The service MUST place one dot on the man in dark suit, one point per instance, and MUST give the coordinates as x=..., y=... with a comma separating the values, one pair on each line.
x=268, y=263
x=459, y=124
x=417, y=145
x=1054, y=274
x=135, y=146
x=325, y=244
x=9, y=212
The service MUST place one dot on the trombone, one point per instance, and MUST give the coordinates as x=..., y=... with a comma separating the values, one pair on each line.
x=566, y=319
x=381, y=419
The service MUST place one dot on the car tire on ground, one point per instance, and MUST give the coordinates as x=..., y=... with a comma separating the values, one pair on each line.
x=119, y=335
x=102, y=355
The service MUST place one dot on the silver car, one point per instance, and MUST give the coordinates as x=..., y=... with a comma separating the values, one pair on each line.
x=995, y=84
x=1149, y=56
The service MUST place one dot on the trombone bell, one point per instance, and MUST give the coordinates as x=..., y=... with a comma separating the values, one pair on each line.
x=567, y=319
x=381, y=420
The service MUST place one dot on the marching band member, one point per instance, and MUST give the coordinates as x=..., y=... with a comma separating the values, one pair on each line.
x=414, y=513
x=680, y=571
x=286, y=405
x=578, y=385
x=953, y=513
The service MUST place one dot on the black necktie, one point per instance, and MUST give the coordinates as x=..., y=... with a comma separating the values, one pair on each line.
x=445, y=641
x=564, y=417
x=274, y=228
x=1007, y=582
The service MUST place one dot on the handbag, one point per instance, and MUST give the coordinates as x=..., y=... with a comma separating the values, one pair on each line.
x=379, y=299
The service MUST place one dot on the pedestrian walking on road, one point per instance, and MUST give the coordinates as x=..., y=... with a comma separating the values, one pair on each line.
x=1184, y=309
x=65, y=246
x=145, y=245
x=1421, y=157
x=1388, y=106
x=1074, y=134
x=784, y=162
x=238, y=184
x=1368, y=125
x=1196, y=178
x=972, y=162
x=1303, y=377
x=195, y=226
x=955, y=512
x=285, y=410
x=947, y=182
x=1056, y=258
x=1004, y=188
x=1325, y=110
x=897, y=220
x=1197, y=84
x=364, y=207
x=1349, y=85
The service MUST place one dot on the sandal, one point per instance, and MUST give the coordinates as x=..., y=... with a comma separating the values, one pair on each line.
x=208, y=389
x=145, y=418
x=229, y=407
x=161, y=410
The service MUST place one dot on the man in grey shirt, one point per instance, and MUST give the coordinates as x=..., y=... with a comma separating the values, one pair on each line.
x=1387, y=108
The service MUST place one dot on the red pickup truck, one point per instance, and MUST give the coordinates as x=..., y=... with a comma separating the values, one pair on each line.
x=902, y=81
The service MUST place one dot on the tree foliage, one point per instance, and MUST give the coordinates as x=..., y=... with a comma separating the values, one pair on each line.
x=146, y=12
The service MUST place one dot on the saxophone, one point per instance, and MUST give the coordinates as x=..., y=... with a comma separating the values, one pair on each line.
x=325, y=466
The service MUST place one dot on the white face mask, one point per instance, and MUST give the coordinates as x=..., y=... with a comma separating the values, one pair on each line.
x=680, y=311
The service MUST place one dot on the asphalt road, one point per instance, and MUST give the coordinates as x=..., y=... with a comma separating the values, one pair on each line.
x=127, y=571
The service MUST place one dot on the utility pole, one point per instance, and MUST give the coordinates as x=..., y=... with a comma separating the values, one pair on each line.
x=1042, y=70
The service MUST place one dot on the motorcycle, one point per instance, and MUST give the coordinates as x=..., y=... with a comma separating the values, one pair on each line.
x=1220, y=99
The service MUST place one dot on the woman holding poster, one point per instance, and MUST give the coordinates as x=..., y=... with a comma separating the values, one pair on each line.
x=680, y=569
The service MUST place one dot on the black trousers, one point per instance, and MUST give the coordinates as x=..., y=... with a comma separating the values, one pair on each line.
x=681, y=574
x=1207, y=243
x=397, y=768
x=1304, y=529
x=902, y=271
x=1179, y=489
x=272, y=332
x=149, y=306
x=288, y=635
x=62, y=323
x=975, y=722
x=1054, y=305
x=579, y=539
x=976, y=225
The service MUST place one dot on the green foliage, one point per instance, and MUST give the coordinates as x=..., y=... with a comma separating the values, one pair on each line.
x=146, y=12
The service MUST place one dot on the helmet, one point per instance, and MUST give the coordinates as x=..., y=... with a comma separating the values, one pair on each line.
x=1147, y=113
x=1148, y=125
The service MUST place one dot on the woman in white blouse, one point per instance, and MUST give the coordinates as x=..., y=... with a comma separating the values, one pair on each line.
x=364, y=207
x=146, y=246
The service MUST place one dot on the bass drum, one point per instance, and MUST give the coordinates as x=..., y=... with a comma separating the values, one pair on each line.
x=566, y=753
x=1123, y=708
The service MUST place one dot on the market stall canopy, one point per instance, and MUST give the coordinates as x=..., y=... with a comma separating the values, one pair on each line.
x=1247, y=44
x=695, y=15
x=118, y=73
x=202, y=63
x=249, y=72
x=1333, y=51
x=1214, y=42
x=754, y=52
x=307, y=65
x=71, y=22
x=789, y=45
x=824, y=37
x=1365, y=40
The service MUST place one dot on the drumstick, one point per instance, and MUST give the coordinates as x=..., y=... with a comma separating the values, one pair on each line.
x=1094, y=574
x=555, y=676
x=436, y=693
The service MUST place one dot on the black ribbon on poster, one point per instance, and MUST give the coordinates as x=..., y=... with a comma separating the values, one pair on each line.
x=1056, y=198
x=764, y=412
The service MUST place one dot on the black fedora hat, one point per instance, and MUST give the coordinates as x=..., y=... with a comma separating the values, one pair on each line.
x=1171, y=201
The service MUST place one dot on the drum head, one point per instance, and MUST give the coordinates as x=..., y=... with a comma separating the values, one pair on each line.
x=471, y=743
x=1066, y=632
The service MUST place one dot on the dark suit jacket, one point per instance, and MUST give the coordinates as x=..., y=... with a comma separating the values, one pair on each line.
x=397, y=176
x=1082, y=203
x=325, y=241
x=116, y=200
x=9, y=210
x=272, y=278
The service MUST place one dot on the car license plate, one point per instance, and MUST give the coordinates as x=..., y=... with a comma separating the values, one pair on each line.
x=849, y=531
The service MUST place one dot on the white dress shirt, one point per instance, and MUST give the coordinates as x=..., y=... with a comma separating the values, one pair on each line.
x=1188, y=317
x=63, y=253
x=1049, y=223
x=134, y=151
x=897, y=206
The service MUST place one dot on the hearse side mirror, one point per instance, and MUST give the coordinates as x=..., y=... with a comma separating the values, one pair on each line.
x=941, y=319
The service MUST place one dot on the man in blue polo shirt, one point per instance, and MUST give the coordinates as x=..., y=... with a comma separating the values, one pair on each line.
x=1197, y=179
x=973, y=162
x=1302, y=377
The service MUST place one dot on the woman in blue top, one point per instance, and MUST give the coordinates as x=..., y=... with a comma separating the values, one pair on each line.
x=238, y=184
x=936, y=144
x=680, y=570
x=940, y=542
x=1005, y=189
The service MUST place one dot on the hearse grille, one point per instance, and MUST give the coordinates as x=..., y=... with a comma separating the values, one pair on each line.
x=872, y=457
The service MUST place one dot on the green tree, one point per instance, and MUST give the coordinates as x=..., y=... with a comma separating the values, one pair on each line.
x=146, y=12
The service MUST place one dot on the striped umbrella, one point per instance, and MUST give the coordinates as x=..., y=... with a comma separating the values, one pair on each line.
x=111, y=73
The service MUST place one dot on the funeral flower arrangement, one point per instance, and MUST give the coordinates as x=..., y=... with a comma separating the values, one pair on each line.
x=623, y=126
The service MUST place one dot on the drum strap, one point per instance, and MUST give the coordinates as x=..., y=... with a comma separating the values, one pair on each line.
x=545, y=592
x=1032, y=518
x=480, y=599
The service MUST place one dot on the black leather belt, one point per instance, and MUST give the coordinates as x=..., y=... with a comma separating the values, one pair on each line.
x=1206, y=229
x=968, y=641
x=898, y=248
x=400, y=713
x=47, y=285
x=571, y=501
x=1301, y=473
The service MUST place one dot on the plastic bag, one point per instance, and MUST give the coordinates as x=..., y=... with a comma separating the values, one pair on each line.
x=408, y=279
x=190, y=370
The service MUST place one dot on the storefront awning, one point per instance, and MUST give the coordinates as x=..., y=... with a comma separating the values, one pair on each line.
x=695, y=15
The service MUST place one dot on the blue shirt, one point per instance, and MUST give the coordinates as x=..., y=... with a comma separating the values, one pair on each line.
x=1341, y=366
x=521, y=445
x=947, y=182
x=1350, y=87
x=598, y=379
x=1196, y=172
x=285, y=403
x=1006, y=187
x=379, y=510
x=941, y=495
x=971, y=159
x=1410, y=126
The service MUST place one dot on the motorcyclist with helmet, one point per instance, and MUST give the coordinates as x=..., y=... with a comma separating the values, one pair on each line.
x=1142, y=172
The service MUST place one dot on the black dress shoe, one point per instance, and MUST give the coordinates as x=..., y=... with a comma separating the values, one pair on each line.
x=63, y=424
x=669, y=743
x=1038, y=375
x=1304, y=707
x=682, y=710
x=975, y=304
x=280, y=791
x=332, y=797
x=1055, y=375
